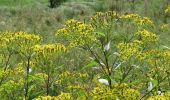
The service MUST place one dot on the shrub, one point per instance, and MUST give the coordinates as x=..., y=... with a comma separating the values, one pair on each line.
x=55, y=3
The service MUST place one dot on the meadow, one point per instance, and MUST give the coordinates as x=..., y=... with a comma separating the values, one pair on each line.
x=85, y=50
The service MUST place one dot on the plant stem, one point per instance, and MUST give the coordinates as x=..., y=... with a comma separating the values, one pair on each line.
x=125, y=74
x=27, y=76
x=97, y=59
x=48, y=85
x=153, y=88
x=6, y=66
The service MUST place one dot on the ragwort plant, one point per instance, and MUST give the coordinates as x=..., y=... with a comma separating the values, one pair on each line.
x=121, y=46
x=19, y=43
x=97, y=36
x=124, y=50
x=74, y=82
x=45, y=58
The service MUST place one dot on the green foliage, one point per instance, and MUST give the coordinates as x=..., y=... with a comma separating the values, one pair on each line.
x=119, y=91
x=121, y=54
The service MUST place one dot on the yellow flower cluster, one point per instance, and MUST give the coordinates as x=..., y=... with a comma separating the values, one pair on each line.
x=99, y=93
x=65, y=74
x=72, y=76
x=4, y=73
x=165, y=26
x=120, y=86
x=159, y=57
x=68, y=73
x=77, y=33
x=165, y=96
x=131, y=49
x=17, y=71
x=140, y=21
x=41, y=76
x=23, y=37
x=158, y=62
x=62, y=96
x=134, y=48
x=20, y=41
x=12, y=85
x=126, y=93
x=103, y=20
x=76, y=86
x=65, y=96
x=100, y=15
x=119, y=91
x=49, y=49
x=131, y=94
x=19, y=37
x=135, y=17
x=145, y=21
x=147, y=36
x=46, y=98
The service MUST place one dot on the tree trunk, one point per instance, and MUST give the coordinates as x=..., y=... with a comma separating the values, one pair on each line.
x=53, y=3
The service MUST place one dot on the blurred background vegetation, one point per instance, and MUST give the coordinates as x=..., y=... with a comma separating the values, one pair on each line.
x=37, y=16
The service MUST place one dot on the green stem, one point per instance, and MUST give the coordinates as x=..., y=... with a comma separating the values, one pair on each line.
x=6, y=66
x=27, y=78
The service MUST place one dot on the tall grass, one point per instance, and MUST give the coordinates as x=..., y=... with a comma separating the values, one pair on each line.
x=36, y=16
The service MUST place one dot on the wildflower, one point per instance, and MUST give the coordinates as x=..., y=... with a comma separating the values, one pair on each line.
x=128, y=50
x=77, y=33
x=164, y=26
x=147, y=36
x=64, y=96
x=49, y=49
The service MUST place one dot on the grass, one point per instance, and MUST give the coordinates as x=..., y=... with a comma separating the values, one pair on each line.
x=16, y=3
x=35, y=16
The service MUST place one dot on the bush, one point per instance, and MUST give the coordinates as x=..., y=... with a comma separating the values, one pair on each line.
x=55, y=3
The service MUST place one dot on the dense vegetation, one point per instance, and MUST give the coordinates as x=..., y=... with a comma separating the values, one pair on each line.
x=85, y=49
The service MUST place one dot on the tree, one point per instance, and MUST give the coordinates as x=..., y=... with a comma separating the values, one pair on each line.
x=55, y=3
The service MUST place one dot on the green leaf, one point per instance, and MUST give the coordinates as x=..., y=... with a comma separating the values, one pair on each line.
x=100, y=33
x=155, y=82
x=91, y=64
x=81, y=95
x=106, y=77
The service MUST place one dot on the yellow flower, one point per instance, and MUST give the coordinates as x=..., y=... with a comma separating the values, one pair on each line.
x=77, y=33
x=128, y=50
x=19, y=42
x=49, y=49
x=147, y=37
x=64, y=96
x=164, y=26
